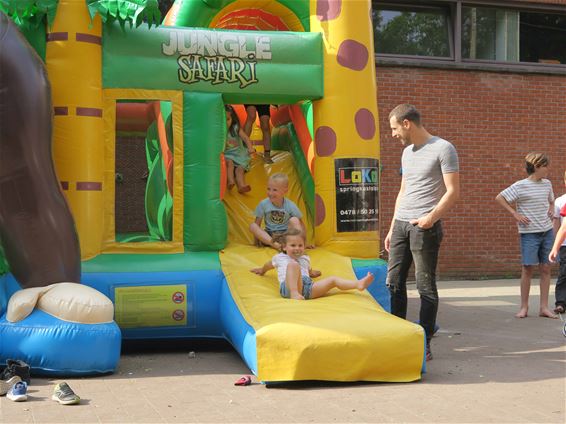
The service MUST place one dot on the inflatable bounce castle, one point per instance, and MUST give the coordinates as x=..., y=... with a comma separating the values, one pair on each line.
x=115, y=220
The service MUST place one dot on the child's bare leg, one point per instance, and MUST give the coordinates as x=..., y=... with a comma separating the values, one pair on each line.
x=526, y=275
x=262, y=235
x=321, y=287
x=250, y=118
x=266, y=137
x=544, y=287
x=241, y=180
x=230, y=173
x=293, y=281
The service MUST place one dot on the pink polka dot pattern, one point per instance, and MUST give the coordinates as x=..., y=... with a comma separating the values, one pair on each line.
x=365, y=124
x=325, y=141
x=327, y=10
x=320, y=209
x=353, y=55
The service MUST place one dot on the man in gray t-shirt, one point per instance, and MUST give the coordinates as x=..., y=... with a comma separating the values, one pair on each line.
x=429, y=188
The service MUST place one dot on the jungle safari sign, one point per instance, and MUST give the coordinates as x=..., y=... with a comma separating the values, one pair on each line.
x=274, y=67
x=217, y=57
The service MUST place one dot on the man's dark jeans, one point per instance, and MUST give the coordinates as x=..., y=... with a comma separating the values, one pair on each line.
x=560, y=291
x=410, y=243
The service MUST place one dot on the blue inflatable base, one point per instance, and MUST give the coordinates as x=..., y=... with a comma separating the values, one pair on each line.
x=55, y=347
x=378, y=289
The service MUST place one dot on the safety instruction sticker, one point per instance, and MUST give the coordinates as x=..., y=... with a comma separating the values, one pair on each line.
x=151, y=306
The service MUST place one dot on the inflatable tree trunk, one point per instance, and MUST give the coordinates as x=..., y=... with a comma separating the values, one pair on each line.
x=36, y=226
x=73, y=59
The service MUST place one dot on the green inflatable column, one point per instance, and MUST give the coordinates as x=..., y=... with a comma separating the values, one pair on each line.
x=204, y=132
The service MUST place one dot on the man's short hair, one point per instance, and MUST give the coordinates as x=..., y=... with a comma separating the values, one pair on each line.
x=535, y=160
x=406, y=111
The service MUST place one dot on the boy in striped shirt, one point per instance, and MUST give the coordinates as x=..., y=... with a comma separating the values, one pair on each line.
x=534, y=207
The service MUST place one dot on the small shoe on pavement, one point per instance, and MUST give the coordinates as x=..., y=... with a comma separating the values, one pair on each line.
x=18, y=392
x=246, y=380
x=16, y=367
x=63, y=394
x=7, y=385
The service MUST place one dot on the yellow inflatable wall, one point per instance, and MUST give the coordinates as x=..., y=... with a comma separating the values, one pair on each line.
x=345, y=120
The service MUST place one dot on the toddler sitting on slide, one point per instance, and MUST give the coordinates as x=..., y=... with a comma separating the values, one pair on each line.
x=280, y=214
x=295, y=273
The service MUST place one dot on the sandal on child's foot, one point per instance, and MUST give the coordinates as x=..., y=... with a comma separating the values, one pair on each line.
x=244, y=189
x=268, y=159
x=267, y=156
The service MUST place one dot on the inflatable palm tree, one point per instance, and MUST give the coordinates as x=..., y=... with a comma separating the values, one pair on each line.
x=36, y=226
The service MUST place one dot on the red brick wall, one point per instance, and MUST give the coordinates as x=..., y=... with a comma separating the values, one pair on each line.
x=494, y=120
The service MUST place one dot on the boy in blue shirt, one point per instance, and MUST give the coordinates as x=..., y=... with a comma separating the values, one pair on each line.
x=279, y=213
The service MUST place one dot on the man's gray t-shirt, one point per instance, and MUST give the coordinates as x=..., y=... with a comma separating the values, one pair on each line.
x=422, y=169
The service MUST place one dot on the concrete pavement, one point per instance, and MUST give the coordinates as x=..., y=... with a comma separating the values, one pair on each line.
x=488, y=367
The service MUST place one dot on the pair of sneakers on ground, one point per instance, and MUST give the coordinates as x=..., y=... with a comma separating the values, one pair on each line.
x=16, y=390
x=15, y=379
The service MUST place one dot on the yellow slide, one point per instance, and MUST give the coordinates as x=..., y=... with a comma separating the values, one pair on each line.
x=339, y=337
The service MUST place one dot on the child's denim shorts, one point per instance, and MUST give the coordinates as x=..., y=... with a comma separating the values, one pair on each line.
x=307, y=288
x=535, y=247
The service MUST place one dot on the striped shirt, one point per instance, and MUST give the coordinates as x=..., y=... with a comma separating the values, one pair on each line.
x=533, y=199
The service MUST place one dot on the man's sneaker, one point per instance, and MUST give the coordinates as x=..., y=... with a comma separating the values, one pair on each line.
x=65, y=395
x=7, y=385
x=16, y=367
x=428, y=352
x=18, y=392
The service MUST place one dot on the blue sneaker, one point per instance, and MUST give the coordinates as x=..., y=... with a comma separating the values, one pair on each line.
x=7, y=385
x=18, y=392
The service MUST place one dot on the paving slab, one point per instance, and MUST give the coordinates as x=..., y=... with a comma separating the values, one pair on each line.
x=488, y=367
